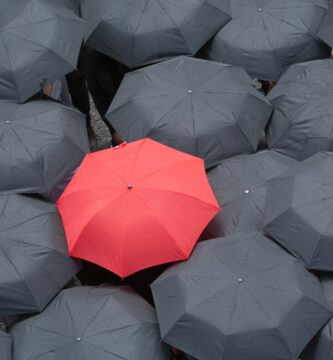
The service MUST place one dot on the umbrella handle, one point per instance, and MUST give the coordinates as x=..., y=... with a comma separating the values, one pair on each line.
x=119, y=146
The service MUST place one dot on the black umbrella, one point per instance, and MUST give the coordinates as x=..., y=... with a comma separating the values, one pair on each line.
x=200, y=107
x=137, y=32
x=39, y=42
x=34, y=261
x=239, y=298
x=41, y=143
x=326, y=28
x=321, y=347
x=266, y=36
x=302, y=123
x=5, y=346
x=86, y=323
x=299, y=211
x=240, y=186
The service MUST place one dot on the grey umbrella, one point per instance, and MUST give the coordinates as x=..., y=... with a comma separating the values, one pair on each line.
x=326, y=28
x=5, y=346
x=321, y=347
x=240, y=186
x=34, y=261
x=204, y=108
x=302, y=123
x=73, y=5
x=41, y=143
x=239, y=298
x=266, y=36
x=39, y=42
x=299, y=211
x=137, y=32
x=86, y=323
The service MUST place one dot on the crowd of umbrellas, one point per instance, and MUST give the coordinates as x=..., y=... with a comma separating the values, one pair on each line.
x=225, y=184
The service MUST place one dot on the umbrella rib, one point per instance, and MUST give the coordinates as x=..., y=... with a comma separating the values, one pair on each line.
x=271, y=320
x=27, y=220
x=32, y=244
x=181, y=194
x=276, y=17
x=4, y=208
x=135, y=30
x=31, y=156
x=11, y=67
x=178, y=27
x=155, y=172
x=42, y=46
x=21, y=277
x=108, y=166
x=154, y=123
x=117, y=329
x=92, y=218
x=109, y=352
x=162, y=226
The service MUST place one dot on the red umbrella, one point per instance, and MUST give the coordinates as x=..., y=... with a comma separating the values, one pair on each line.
x=136, y=206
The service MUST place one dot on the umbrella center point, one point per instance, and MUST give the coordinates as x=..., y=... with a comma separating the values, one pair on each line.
x=260, y=9
x=129, y=186
x=7, y=122
x=78, y=339
x=240, y=280
x=190, y=91
x=247, y=191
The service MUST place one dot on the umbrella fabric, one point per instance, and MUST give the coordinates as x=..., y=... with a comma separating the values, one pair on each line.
x=240, y=186
x=239, y=298
x=266, y=36
x=41, y=143
x=73, y=5
x=299, y=211
x=136, y=206
x=302, y=123
x=39, y=42
x=85, y=323
x=321, y=347
x=34, y=261
x=200, y=107
x=326, y=28
x=5, y=346
x=137, y=32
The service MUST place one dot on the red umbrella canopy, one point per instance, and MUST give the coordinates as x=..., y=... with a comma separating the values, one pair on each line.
x=136, y=206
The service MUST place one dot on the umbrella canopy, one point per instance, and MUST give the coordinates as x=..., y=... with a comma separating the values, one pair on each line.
x=321, y=347
x=5, y=346
x=239, y=298
x=137, y=32
x=299, y=211
x=107, y=323
x=39, y=42
x=266, y=36
x=73, y=5
x=207, y=109
x=149, y=212
x=326, y=28
x=240, y=186
x=302, y=123
x=41, y=143
x=34, y=261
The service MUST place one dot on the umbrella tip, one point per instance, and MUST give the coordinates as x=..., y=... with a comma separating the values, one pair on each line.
x=129, y=186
